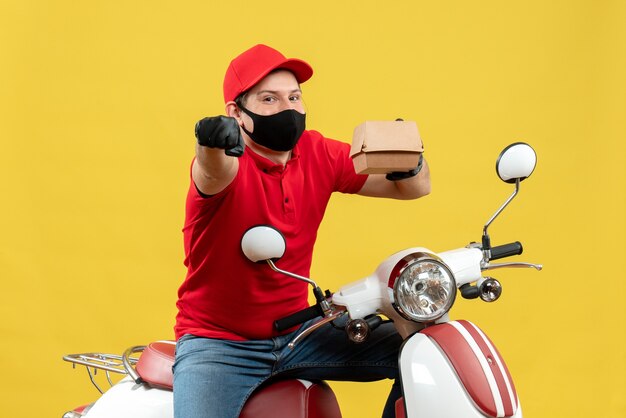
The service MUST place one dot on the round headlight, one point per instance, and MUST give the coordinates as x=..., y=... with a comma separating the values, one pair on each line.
x=424, y=288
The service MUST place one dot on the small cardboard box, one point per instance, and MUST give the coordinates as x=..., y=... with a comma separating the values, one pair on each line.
x=380, y=147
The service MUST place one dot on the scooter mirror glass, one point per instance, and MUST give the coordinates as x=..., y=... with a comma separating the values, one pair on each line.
x=261, y=243
x=516, y=161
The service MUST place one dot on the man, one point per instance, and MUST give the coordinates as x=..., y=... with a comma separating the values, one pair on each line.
x=259, y=165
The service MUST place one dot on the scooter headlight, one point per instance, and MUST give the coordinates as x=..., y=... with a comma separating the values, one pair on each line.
x=424, y=288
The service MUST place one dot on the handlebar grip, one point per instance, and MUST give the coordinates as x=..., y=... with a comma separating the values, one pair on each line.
x=506, y=250
x=298, y=318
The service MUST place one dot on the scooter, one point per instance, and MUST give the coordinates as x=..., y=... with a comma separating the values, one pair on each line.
x=447, y=368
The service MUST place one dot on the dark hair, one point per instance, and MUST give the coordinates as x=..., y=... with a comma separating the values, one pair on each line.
x=240, y=100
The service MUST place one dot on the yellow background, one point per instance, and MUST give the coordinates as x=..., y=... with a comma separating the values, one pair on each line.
x=98, y=104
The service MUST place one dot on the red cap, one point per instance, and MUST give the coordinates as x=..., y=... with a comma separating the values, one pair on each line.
x=252, y=65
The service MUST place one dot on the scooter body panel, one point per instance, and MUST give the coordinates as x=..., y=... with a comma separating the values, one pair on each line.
x=127, y=399
x=444, y=375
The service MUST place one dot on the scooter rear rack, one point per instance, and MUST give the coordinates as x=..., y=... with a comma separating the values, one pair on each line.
x=110, y=363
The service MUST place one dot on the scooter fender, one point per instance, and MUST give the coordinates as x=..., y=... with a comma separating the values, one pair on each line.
x=127, y=399
x=454, y=370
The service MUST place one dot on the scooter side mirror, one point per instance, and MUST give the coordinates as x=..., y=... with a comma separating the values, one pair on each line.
x=516, y=161
x=262, y=243
x=266, y=243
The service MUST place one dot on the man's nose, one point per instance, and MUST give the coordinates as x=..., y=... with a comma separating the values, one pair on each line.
x=287, y=104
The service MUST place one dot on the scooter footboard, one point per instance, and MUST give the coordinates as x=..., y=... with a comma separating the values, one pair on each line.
x=453, y=369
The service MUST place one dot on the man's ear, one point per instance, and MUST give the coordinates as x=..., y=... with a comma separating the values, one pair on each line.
x=233, y=111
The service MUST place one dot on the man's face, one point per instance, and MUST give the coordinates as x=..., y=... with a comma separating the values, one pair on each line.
x=278, y=91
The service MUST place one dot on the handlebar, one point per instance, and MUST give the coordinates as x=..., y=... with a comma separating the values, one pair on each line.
x=506, y=250
x=298, y=318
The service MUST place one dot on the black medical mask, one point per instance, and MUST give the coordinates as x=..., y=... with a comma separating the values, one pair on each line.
x=278, y=132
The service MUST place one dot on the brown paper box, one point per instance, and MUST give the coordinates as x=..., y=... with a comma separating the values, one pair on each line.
x=380, y=147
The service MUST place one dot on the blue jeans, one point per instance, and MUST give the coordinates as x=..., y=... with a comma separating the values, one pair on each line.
x=214, y=378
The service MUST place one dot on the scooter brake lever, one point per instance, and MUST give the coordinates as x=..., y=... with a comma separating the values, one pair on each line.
x=512, y=265
x=336, y=313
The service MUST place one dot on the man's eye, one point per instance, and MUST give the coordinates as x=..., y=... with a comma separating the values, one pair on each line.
x=294, y=98
x=269, y=99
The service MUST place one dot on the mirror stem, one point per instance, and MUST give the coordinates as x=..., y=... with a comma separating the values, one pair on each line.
x=486, y=241
x=295, y=276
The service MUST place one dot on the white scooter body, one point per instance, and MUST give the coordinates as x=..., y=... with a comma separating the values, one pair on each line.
x=450, y=369
x=472, y=384
x=128, y=399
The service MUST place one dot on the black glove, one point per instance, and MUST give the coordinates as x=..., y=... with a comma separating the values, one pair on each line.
x=401, y=175
x=220, y=132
